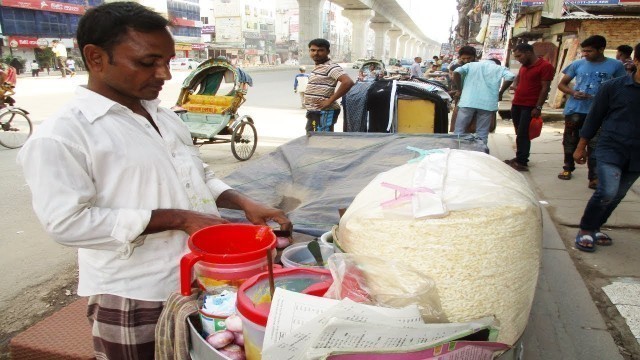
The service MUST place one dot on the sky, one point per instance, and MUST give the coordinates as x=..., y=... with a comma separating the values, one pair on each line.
x=433, y=16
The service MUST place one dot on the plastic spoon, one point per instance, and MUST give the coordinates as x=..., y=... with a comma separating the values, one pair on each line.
x=314, y=249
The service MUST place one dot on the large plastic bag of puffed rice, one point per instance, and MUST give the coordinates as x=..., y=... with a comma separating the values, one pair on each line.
x=464, y=219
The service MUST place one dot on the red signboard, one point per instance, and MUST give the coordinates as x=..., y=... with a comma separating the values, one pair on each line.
x=45, y=5
x=183, y=22
x=22, y=42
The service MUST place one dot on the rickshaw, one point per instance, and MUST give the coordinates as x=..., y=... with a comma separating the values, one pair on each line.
x=364, y=73
x=208, y=104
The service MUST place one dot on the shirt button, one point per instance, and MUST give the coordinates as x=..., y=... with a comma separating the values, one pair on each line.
x=188, y=185
x=173, y=154
x=147, y=125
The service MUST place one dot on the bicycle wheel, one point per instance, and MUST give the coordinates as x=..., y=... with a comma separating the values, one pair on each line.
x=15, y=129
x=244, y=140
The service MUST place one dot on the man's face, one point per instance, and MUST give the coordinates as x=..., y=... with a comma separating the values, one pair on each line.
x=591, y=54
x=139, y=65
x=319, y=55
x=419, y=60
x=522, y=57
x=465, y=59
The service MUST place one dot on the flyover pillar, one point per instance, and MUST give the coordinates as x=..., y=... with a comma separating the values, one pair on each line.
x=394, y=35
x=310, y=27
x=402, y=46
x=411, y=48
x=381, y=30
x=359, y=20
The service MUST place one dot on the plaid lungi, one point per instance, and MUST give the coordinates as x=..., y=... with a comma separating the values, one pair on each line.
x=123, y=328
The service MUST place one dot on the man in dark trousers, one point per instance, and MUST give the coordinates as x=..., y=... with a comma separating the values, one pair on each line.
x=532, y=87
x=616, y=114
x=589, y=73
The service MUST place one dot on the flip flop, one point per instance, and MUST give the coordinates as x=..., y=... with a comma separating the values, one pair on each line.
x=603, y=239
x=565, y=175
x=581, y=240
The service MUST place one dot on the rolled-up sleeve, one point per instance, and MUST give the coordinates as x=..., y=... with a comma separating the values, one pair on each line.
x=64, y=197
x=215, y=185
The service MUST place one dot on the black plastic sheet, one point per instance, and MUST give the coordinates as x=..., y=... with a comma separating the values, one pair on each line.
x=313, y=176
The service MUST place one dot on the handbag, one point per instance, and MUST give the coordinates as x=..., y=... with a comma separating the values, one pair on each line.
x=535, y=127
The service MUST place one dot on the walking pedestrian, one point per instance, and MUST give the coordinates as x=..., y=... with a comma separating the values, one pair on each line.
x=624, y=55
x=71, y=65
x=590, y=72
x=478, y=94
x=60, y=52
x=321, y=95
x=35, y=68
x=416, y=70
x=614, y=115
x=300, y=84
x=532, y=87
x=117, y=176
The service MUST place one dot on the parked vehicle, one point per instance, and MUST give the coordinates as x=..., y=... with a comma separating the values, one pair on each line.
x=183, y=64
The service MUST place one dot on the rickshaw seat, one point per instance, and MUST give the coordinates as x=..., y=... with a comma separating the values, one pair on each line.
x=207, y=104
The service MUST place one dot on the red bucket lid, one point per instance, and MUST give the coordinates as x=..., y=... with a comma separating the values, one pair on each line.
x=232, y=243
x=259, y=313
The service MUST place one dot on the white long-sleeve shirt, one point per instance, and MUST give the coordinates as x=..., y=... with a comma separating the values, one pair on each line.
x=96, y=170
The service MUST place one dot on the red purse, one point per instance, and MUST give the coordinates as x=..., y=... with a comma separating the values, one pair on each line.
x=535, y=127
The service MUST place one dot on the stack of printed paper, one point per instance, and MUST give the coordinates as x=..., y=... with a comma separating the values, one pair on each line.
x=308, y=327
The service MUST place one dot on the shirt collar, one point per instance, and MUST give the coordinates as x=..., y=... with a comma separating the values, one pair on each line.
x=535, y=63
x=93, y=105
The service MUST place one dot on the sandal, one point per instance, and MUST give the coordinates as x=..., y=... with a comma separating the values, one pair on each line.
x=585, y=243
x=565, y=175
x=593, y=184
x=603, y=239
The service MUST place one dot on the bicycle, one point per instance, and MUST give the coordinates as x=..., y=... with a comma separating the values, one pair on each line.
x=15, y=126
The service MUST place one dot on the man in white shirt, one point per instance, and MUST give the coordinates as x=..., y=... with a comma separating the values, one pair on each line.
x=118, y=177
x=60, y=51
x=416, y=70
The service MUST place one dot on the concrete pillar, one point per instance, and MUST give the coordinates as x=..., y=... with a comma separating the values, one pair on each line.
x=359, y=20
x=381, y=30
x=411, y=48
x=394, y=35
x=418, y=48
x=402, y=46
x=310, y=19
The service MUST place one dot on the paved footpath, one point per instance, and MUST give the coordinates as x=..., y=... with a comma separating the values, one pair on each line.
x=587, y=305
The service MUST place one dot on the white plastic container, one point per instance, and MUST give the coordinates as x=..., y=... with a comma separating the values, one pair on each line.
x=298, y=255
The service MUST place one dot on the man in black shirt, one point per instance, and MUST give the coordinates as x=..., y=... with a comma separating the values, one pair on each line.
x=616, y=113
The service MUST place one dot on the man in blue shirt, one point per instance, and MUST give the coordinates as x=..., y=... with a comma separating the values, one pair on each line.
x=589, y=72
x=300, y=84
x=616, y=114
x=479, y=94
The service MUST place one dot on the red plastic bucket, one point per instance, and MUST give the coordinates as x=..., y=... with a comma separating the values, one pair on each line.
x=227, y=245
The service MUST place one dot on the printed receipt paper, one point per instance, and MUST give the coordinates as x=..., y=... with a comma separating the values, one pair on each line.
x=308, y=327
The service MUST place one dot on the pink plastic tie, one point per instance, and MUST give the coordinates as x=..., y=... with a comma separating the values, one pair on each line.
x=403, y=194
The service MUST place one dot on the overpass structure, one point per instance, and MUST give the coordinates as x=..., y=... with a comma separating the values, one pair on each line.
x=387, y=18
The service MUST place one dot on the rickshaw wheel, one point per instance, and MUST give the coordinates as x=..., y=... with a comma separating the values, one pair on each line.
x=244, y=140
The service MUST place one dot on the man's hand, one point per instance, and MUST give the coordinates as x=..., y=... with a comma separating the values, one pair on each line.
x=580, y=155
x=579, y=95
x=456, y=94
x=177, y=219
x=535, y=113
x=325, y=104
x=259, y=214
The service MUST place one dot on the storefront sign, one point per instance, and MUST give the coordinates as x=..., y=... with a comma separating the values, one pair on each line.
x=198, y=46
x=42, y=43
x=22, y=42
x=45, y=5
x=186, y=22
x=208, y=29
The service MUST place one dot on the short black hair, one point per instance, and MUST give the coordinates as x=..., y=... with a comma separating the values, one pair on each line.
x=595, y=41
x=625, y=49
x=524, y=47
x=636, y=54
x=105, y=25
x=467, y=50
x=321, y=43
x=496, y=61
